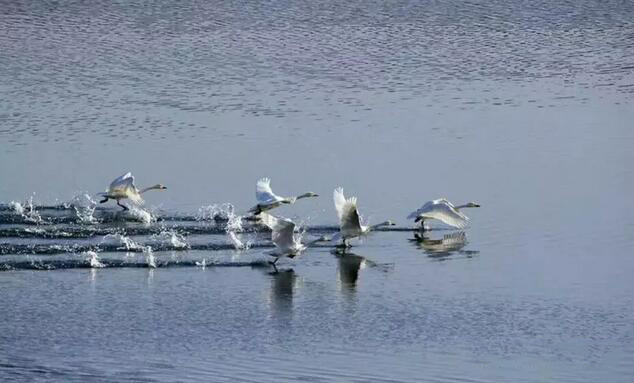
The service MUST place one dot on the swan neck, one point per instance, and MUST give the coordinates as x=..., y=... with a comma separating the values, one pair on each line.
x=149, y=188
x=379, y=225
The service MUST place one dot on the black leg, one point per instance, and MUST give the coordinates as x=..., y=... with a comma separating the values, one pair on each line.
x=105, y=199
x=123, y=206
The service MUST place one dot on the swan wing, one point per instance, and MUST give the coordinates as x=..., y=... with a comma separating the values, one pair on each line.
x=340, y=201
x=350, y=221
x=122, y=181
x=444, y=211
x=124, y=187
x=263, y=193
x=426, y=207
x=282, y=230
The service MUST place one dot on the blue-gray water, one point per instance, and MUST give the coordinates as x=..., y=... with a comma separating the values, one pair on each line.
x=523, y=106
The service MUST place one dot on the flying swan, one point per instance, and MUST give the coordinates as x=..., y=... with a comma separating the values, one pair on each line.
x=349, y=223
x=268, y=200
x=287, y=244
x=442, y=210
x=123, y=187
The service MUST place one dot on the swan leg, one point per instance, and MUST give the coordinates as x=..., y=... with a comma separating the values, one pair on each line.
x=422, y=225
x=105, y=199
x=273, y=264
x=123, y=206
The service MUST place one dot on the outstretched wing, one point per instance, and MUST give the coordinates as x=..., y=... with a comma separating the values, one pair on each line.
x=444, y=211
x=347, y=212
x=282, y=230
x=263, y=193
x=124, y=186
x=122, y=182
x=340, y=201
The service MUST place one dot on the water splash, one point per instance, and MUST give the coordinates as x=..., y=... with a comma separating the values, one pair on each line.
x=202, y=264
x=234, y=228
x=84, y=208
x=172, y=238
x=216, y=212
x=124, y=243
x=149, y=256
x=27, y=211
x=95, y=263
x=16, y=207
x=141, y=215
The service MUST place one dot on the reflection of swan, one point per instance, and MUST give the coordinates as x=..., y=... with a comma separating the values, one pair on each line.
x=447, y=245
x=349, y=223
x=442, y=210
x=123, y=187
x=268, y=200
x=287, y=244
x=349, y=266
x=282, y=289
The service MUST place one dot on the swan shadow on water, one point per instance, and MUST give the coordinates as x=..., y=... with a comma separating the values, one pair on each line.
x=441, y=249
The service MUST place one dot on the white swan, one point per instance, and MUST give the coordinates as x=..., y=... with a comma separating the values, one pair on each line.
x=442, y=210
x=123, y=187
x=349, y=223
x=268, y=200
x=287, y=244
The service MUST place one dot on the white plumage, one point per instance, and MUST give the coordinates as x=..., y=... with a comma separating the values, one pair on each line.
x=283, y=236
x=349, y=221
x=267, y=200
x=444, y=211
x=123, y=187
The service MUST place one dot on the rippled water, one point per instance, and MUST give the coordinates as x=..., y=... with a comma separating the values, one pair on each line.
x=522, y=106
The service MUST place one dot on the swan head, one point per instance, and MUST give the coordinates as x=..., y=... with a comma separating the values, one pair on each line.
x=160, y=187
x=472, y=204
x=309, y=194
x=389, y=223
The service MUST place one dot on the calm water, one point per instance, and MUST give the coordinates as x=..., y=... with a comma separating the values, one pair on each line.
x=524, y=107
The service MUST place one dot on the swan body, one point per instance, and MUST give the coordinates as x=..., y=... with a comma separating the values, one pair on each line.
x=287, y=244
x=350, y=225
x=442, y=210
x=267, y=200
x=123, y=187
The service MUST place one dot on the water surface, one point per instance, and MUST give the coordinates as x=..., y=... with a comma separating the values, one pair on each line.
x=524, y=107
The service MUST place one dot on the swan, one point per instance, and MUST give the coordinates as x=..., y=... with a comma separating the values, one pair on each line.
x=442, y=210
x=287, y=244
x=349, y=223
x=123, y=187
x=268, y=200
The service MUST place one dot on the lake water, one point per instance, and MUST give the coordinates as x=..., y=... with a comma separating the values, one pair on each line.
x=524, y=107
